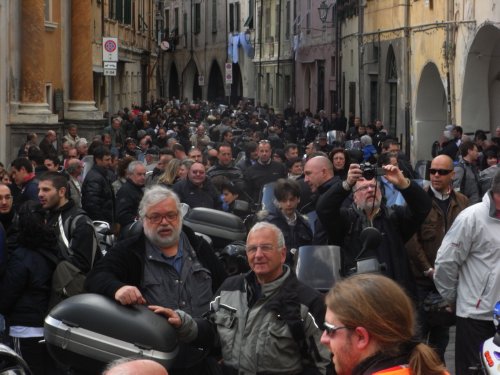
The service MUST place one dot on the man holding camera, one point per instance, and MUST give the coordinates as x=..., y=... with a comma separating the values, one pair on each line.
x=396, y=224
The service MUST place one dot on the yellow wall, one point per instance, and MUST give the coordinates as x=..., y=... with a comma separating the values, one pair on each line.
x=53, y=49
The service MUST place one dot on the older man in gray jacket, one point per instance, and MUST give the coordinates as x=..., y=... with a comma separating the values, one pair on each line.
x=467, y=274
x=265, y=322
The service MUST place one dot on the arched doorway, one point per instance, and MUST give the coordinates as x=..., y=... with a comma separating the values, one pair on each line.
x=216, y=91
x=173, y=82
x=430, y=111
x=190, y=87
x=237, y=85
x=481, y=90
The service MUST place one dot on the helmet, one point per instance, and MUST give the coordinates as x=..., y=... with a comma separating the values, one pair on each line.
x=234, y=258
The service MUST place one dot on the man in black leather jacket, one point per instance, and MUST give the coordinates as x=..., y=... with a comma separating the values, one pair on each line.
x=98, y=197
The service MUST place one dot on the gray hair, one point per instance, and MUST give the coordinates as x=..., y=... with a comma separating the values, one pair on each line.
x=81, y=141
x=155, y=195
x=131, y=167
x=265, y=225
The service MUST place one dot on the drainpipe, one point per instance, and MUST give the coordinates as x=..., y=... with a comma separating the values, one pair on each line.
x=360, y=56
x=407, y=74
x=278, y=76
x=449, y=61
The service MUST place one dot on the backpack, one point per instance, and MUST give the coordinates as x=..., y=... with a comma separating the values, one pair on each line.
x=68, y=280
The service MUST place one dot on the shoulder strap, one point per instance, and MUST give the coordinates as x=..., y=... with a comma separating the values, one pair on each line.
x=69, y=226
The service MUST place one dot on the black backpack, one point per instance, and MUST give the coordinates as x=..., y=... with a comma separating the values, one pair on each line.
x=68, y=280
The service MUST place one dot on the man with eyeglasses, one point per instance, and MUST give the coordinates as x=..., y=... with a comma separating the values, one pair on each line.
x=264, y=171
x=397, y=224
x=161, y=263
x=265, y=321
x=423, y=246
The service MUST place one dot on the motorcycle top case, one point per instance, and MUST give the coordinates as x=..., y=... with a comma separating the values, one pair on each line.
x=215, y=223
x=87, y=331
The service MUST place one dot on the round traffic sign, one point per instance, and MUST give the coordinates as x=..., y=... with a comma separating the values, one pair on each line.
x=110, y=46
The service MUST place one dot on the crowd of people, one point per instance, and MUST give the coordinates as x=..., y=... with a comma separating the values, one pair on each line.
x=331, y=178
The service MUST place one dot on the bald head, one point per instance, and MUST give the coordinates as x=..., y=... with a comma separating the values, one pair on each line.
x=441, y=179
x=139, y=366
x=317, y=171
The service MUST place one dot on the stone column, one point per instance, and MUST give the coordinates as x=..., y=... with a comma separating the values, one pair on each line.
x=32, y=58
x=81, y=105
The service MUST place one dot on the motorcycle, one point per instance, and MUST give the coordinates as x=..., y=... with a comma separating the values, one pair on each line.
x=490, y=350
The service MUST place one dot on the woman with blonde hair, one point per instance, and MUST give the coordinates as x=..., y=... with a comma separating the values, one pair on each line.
x=169, y=177
x=370, y=329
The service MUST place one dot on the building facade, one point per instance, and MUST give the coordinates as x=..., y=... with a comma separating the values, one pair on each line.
x=52, y=71
x=316, y=63
x=208, y=51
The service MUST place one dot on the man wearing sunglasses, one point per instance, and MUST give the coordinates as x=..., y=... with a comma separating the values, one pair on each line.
x=396, y=224
x=423, y=246
x=467, y=274
x=265, y=321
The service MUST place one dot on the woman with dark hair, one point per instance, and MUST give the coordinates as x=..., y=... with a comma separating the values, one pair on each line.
x=26, y=284
x=341, y=162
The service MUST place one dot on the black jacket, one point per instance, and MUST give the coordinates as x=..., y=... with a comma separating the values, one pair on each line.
x=380, y=362
x=124, y=264
x=81, y=239
x=127, y=202
x=295, y=236
x=396, y=224
x=25, y=287
x=98, y=197
x=258, y=175
x=196, y=196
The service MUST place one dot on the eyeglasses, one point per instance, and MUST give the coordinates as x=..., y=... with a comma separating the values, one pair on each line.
x=158, y=218
x=330, y=329
x=366, y=187
x=441, y=172
x=265, y=248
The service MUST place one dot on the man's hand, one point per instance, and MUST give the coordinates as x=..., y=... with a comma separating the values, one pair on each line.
x=354, y=174
x=129, y=295
x=172, y=317
x=394, y=175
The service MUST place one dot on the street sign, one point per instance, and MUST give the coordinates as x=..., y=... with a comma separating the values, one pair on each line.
x=110, y=72
x=228, y=77
x=109, y=65
x=109, y=49
x=201, y=80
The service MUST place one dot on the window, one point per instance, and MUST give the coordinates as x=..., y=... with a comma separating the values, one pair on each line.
x=333, y=66
x=287, y=20
x=121, y=10
x=249, y=21
x=231, y=18
x=167, y=19
x=176, y=19
x=48, y=10
x=185, y=28
x=267, y=23
x=374, y=100
x=352, y=97
x=214, y=16
x=197, y=18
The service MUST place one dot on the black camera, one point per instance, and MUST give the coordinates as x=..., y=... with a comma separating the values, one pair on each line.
x=370, y=171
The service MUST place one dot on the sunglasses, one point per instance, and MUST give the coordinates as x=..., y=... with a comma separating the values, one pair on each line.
x=441, y=172
x=330, y=329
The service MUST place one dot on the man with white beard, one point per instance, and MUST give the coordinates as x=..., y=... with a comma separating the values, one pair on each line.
x=163, y=264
